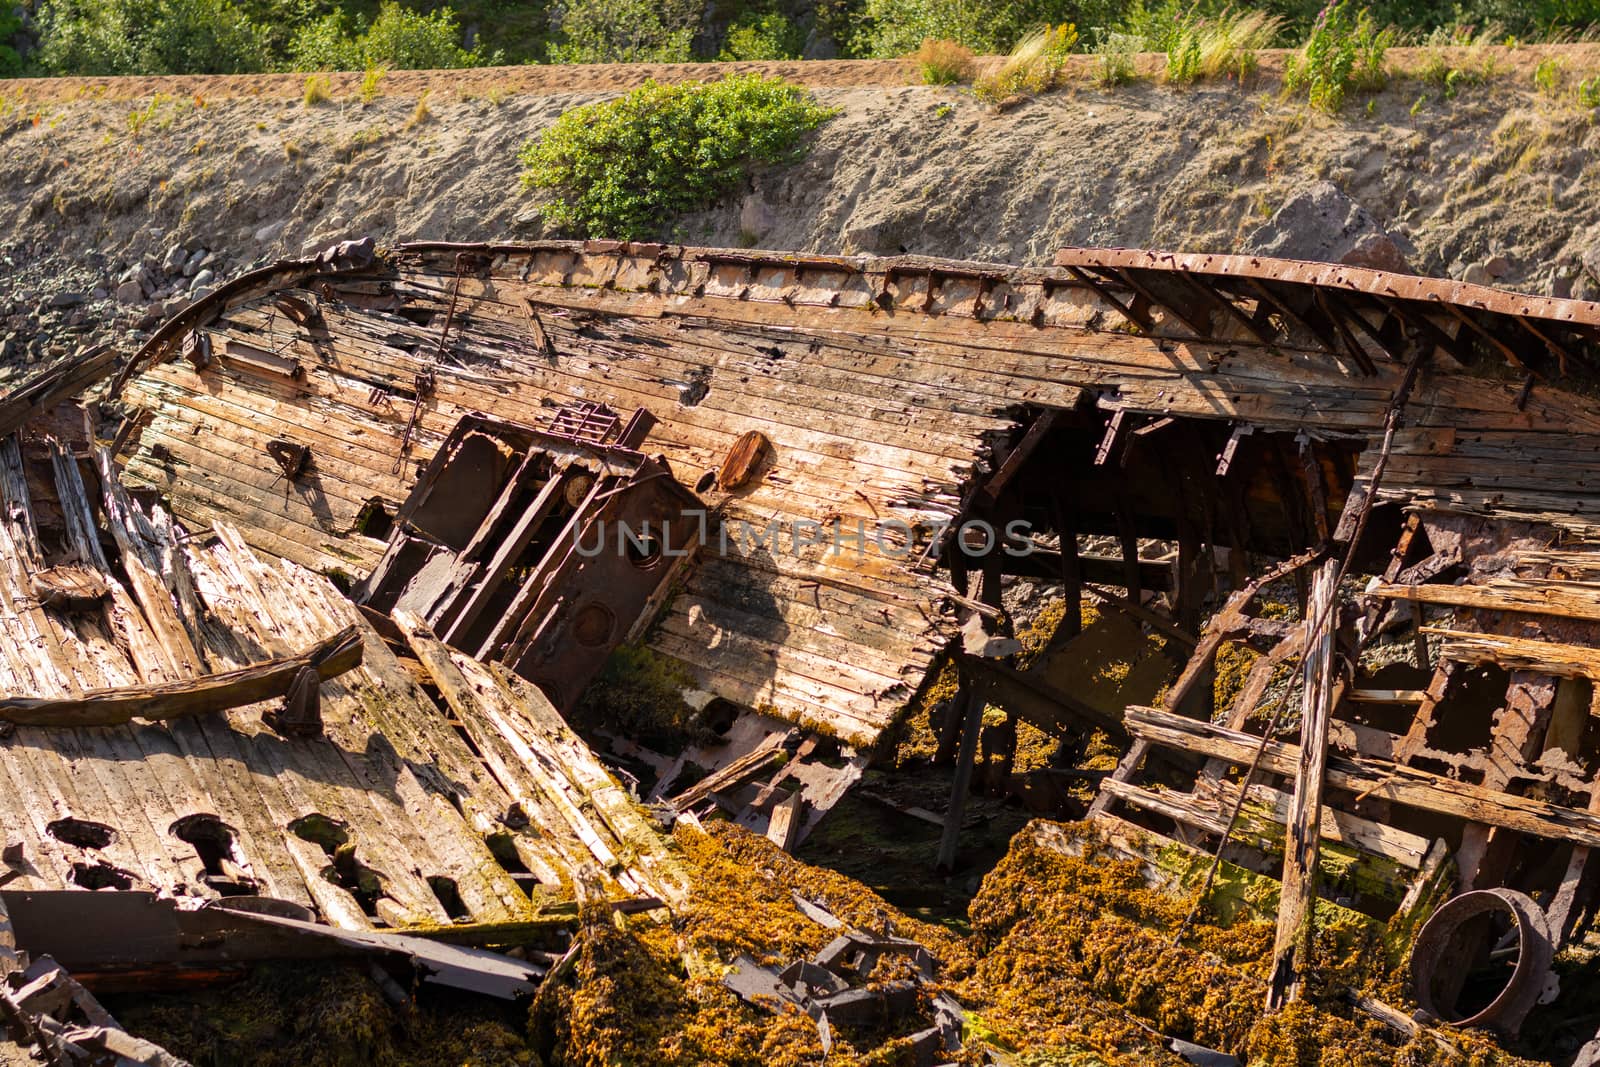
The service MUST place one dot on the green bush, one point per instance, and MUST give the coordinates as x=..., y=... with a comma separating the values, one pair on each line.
x=757, y=38
x=622, y=167
x=1344, y=54
x=623, y=31
x=1549, y=76
x=398, y=38
x=890, y=28
x=149, y=37
x=1589, y=93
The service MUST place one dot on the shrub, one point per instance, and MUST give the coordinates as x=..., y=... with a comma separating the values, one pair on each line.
x=1224, y=45
x=622, y=167
x=622, y=31
x=761, y=38
x=1114, y=58
x=369, y=83
x=149, y=37
x=944, y=62
x=1034, y=66
x=1549, y=76
x=398, y=38
x=1457, y=56
x=1589, y=93
x=318, y=91
x=889, y=28
x=1344, y=54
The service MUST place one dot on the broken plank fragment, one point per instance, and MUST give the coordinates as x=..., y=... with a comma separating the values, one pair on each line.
x=194, y=696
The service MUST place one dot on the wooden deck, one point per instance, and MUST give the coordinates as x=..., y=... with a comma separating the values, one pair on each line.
x=392, y=818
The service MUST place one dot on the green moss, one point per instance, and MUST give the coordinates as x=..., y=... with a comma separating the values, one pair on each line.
x=639, y=693
x=308, y=1014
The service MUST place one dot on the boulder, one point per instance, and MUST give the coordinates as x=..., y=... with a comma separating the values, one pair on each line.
x=270, y=232
x=130, y=292
x=1322, y=224
x=176, y=257
x=203, y=279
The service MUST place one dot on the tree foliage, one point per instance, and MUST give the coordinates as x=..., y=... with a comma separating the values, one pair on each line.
x=624, y=167
x=149, y=37
x=398, y=38
x=622, y=31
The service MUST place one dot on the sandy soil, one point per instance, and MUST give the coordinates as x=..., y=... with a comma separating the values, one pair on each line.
x=123, y=168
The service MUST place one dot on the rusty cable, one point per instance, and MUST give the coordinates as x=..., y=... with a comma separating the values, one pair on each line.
x=1402, y=394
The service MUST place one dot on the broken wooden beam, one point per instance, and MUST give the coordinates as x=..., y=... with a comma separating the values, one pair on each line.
x=1380, y=779
x=194, y=696
x=1292, y=945
x=1519, y=653
x=1046, y=706
x=1568, y=600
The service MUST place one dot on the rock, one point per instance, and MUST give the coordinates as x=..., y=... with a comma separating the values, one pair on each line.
x=98, y=293
x=192, y=267
x=1590, y=260
x=1477, y=274
x=756, y=219
x=270, y=232
x=66, y=300
x=1497, y=266
x=203, y=279
x=1322, y=224
x=130, y=292
x=177, y=256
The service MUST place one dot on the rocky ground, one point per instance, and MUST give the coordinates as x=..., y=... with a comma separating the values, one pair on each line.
x=175, y=183
x=122, y=199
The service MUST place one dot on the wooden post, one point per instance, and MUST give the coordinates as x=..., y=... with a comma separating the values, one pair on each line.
x=1290, y=952
x=970, y=698
x=972, y=709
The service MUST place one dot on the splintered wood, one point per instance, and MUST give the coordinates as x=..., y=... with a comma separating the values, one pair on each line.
x=144, y=759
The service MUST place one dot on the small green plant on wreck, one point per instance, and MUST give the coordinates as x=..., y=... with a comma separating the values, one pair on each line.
x=624, y=168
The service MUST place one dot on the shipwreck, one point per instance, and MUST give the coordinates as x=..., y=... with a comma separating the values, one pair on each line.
x=303, y=592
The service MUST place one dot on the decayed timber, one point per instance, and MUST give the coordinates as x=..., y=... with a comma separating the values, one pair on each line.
x=1291, y=947
x=388, y=817
x=730, y=347
x=1520, y=653
x=1568, y=600
x=1375, y=778
x=199, y=696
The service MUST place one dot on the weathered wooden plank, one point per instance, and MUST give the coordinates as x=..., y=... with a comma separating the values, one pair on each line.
x=1292, y=945
x=1380, y=779
x=1519, y=653
x=201, y=695
x=1570, y=600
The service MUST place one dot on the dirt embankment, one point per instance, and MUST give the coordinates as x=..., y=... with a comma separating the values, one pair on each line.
x=101, y=173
